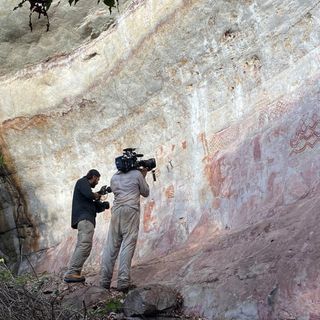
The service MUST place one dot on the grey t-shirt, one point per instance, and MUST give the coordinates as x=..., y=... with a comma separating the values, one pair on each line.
x=127, y=188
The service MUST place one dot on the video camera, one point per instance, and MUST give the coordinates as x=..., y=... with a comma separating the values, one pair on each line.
x=129, y=161
x=104, y=190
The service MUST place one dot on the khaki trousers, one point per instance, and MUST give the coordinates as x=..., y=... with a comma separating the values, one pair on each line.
x=123, y=234
x=83, y=247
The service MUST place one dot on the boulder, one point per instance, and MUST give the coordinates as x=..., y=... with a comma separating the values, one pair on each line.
x=150, y=300
x=79, y=296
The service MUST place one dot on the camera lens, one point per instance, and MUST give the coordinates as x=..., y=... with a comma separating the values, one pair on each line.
x=149, y=164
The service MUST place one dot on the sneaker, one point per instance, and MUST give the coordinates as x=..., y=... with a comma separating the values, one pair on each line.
x=69, y=278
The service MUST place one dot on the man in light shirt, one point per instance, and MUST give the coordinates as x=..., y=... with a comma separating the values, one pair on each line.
x=124, y=226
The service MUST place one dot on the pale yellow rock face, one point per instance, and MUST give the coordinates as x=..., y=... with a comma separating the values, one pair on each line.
x=224, y=94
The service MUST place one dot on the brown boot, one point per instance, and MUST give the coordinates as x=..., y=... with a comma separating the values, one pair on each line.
x=69, y=278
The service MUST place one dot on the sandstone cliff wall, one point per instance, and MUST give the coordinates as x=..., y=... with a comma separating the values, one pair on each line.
x=224, y=94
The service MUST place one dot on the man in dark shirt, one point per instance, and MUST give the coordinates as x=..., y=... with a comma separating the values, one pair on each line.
x=85, y=205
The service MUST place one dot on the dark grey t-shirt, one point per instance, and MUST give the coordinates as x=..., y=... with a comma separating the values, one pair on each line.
x=128, y=187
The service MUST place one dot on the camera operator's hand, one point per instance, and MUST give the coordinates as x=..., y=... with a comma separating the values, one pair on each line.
x=103, y=190
x=96, y=195
x=106, y=205
x=144, y=171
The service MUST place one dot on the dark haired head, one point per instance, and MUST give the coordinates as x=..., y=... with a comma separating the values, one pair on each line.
x=92, y=172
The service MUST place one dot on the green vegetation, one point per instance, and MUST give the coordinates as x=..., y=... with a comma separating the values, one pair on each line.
x=6, y=276
x=105, y=308
x=26, y=297
x=45, y=296
x=5, y=273
x=114, y=305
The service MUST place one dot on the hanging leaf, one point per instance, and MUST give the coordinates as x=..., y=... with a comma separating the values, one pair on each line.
x=71, y=1
x=110, y=3
x=19, y=5
x=38, y=6
x=42, y=6
x=48, y=4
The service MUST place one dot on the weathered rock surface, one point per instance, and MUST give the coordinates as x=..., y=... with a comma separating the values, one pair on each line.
x=80, y=296
x=268, y=270
x=150, y=300
x=69, y=28
x=225, y=95
x=17, y=225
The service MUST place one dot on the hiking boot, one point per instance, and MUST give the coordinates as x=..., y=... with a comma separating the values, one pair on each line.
x=70, y=278
x=105, y=286
x=127, y=288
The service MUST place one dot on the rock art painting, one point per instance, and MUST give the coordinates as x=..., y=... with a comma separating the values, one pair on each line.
x=307, y=135
x=272, y=111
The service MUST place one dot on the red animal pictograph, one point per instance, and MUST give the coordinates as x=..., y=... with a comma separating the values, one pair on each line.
x=307, y=135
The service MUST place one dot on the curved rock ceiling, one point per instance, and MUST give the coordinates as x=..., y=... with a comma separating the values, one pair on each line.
x=225, y=95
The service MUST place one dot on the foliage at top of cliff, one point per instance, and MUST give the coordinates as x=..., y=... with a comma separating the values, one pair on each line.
x=110, y=3
x=41, y=7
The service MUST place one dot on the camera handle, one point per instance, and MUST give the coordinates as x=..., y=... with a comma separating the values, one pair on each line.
x=154, y=175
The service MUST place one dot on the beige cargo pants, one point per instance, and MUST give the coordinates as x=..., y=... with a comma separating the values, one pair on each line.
x=83, y=247
x=123, y=233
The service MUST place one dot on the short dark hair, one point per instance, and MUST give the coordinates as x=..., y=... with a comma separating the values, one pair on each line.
x=92, y=172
